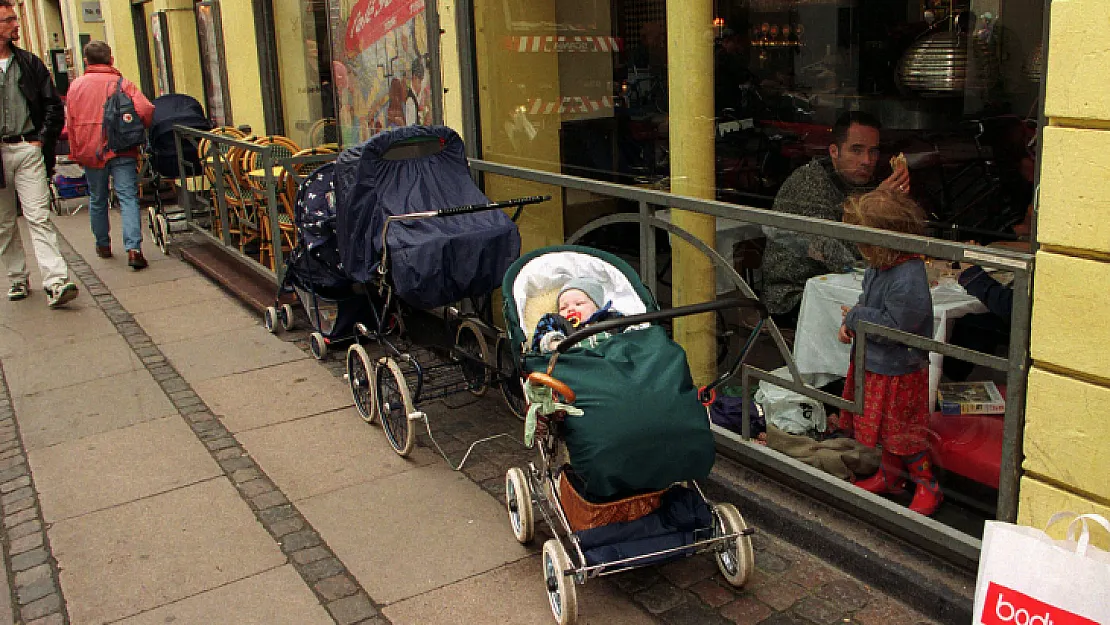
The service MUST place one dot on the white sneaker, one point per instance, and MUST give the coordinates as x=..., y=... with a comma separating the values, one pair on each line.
x=60, y=294
x=18, y=291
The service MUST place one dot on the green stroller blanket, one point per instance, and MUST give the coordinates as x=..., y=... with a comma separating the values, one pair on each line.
x=642, y=427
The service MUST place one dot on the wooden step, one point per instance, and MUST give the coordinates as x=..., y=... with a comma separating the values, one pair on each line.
x=230, y=272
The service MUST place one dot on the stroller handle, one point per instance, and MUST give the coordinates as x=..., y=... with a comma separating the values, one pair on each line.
x=671, y=313
x=474, y=208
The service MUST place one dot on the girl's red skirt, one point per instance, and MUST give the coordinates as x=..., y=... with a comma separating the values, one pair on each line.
x=895, y=411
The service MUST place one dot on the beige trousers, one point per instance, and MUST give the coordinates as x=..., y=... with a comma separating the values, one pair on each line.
x=25, y=175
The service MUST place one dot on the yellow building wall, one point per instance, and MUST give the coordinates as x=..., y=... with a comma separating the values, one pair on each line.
x=119, y=32
x=449, y=70
x=243, y=83
x=1067, y=432
x=50, y=23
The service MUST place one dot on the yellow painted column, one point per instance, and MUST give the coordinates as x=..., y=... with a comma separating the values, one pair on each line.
x=1066, y=430
x=119, y=32
x=690, y=72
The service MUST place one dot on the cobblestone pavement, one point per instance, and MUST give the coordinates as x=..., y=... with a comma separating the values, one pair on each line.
x=244, y=516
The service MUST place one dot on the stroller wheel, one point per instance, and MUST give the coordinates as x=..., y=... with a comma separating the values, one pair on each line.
x=360, y=376
x=518, y=500
x=561, y=592
x=512, y=389
x=163, y=235
x=475, y=361
x=391, y=393
x=269, y=319
x=318, y=346
x=736, y=559
x=151, y=219
x=285, y=315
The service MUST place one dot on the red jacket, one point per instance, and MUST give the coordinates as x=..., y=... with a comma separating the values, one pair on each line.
x=85, y=113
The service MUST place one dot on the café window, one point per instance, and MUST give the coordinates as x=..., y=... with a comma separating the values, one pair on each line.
x=305, y=64
x=581, y=87
x=213, y=68
x=381, y=67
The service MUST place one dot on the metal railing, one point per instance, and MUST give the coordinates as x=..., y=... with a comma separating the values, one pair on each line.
x=941, y=539
x=215, y=162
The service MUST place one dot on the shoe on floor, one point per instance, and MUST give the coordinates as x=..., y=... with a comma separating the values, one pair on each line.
x=135, y=260
x=18, y=291
x=60, y=294
x=104, y=252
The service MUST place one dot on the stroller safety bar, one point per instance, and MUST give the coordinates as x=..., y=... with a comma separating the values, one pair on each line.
x=671, y=313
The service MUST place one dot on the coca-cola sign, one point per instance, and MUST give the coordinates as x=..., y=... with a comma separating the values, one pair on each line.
x=371, y=19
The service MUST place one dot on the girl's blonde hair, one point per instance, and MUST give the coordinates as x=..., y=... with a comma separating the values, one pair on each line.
x=888, y=210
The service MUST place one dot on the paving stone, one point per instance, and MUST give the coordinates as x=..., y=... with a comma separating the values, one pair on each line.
x=712, y=593
x=11, y=474
x=810, y=574
x=230, y=452
x=688, y=571
x=819, y=611
x=8, y=463
x=746, y=611
x=53, y=619
x=635, y=580
x=19, y=518
x=26, y=543
x=884, y=610
x=780, y=595
x=242, y=469
x=269, y=500
x=661, y=597
x=33, y=592
x=312, y=554
x=335, y=587
x=23, y=482
x=256, y=487
x=299, y=540
x=22, y=504
x=32, y=575
x=351, y=610
x=276, y=514
x=321, y=569
x=693, y=614
x=845, y=594
x=29, y=559
x=16, y=495
x=221, y=443
x=37, y=609
x=783, y=618
x=282, y=528
x=24, y=529
x=771, y=563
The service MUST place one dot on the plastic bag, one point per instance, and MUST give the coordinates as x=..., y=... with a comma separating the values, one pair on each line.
x=790, y=412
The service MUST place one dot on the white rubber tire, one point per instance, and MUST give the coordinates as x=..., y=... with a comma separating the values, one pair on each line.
x=402, y=442
x=269, y=319
x=736, y=562
x=360, y=377
x=318, y=346
x=288, y=321
x=518, y=502
x=561, y=592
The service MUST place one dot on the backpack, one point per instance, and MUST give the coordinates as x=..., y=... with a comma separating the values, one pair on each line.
x=123, y=128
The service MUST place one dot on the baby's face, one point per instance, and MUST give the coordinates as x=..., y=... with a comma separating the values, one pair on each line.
x=575, y=306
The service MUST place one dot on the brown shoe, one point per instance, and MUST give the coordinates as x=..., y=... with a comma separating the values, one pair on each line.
x=135, y=260
x=104, y=252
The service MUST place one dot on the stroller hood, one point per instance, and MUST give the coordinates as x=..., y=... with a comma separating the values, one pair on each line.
x=316, y=263
x=433, y=261
x=170, y=110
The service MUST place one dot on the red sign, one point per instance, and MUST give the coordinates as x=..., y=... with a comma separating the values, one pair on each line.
x=371, y=19
x=1010, y=607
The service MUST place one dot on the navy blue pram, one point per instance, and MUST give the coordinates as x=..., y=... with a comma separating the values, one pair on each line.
x=314, y=271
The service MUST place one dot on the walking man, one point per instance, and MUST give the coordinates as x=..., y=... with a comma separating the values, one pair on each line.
x=89, y=147
x=30, y=122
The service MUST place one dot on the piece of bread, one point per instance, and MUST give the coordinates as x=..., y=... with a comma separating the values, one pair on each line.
x=899, y=160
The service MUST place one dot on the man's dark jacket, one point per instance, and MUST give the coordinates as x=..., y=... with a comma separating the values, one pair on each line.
x=47, y=111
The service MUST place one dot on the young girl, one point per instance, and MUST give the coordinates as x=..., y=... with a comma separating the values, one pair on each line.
x=896, y=381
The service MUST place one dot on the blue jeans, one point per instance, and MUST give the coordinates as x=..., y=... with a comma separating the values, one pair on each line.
x=125, y=181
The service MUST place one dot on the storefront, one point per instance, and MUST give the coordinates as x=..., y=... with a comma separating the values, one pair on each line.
x=721, y=102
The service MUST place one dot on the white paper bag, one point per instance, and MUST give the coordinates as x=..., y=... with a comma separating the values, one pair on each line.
x=1027, y=578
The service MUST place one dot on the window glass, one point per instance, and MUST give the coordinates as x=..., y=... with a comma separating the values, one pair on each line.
x=307, y=83
x=582, y=87
x=212, y=64
x=380, y=69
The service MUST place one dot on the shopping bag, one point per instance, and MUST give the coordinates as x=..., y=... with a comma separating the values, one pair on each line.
x=1028, y=578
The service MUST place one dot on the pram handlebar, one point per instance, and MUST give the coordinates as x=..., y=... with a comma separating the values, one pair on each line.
x=660, y=315
x=474, y=208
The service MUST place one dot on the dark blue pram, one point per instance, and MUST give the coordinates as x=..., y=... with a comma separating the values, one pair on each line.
x=332, y=301
x=412, y=232
x=160, y=161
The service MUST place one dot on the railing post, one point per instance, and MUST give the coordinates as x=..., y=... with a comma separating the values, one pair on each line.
x=272, y=211
x=182, y=193
x=647, y=250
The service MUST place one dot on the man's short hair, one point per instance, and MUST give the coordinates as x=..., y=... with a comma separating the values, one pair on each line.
x=7, y=4
x=845, y=121
x=97, y=52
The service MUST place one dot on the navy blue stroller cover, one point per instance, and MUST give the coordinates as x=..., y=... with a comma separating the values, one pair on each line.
x=435, y=261
x=316, y=261
x=170, y=110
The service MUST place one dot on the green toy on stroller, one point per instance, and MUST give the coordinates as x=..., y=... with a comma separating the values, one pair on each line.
x=618, y=395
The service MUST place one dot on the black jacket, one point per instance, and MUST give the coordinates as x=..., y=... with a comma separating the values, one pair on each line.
x=47, y=111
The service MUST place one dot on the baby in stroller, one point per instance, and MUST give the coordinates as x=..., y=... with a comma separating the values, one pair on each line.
x=580, y=303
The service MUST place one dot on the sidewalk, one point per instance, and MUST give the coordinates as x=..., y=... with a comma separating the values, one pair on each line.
x=189, y=467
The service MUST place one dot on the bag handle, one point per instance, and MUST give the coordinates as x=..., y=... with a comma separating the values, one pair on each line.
x=1079, y=524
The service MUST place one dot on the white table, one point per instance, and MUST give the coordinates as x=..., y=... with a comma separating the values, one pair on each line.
x=816, y=348
x=729, y=233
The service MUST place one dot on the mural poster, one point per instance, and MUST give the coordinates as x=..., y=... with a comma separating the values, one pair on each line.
x=381, y=74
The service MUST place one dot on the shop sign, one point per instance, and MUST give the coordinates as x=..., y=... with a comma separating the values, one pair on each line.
x=563, y=43
x=90, y=11
x=371, y=19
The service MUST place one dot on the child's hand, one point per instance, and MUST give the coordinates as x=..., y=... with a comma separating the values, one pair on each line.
x=844, y=310
x=845, y=335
